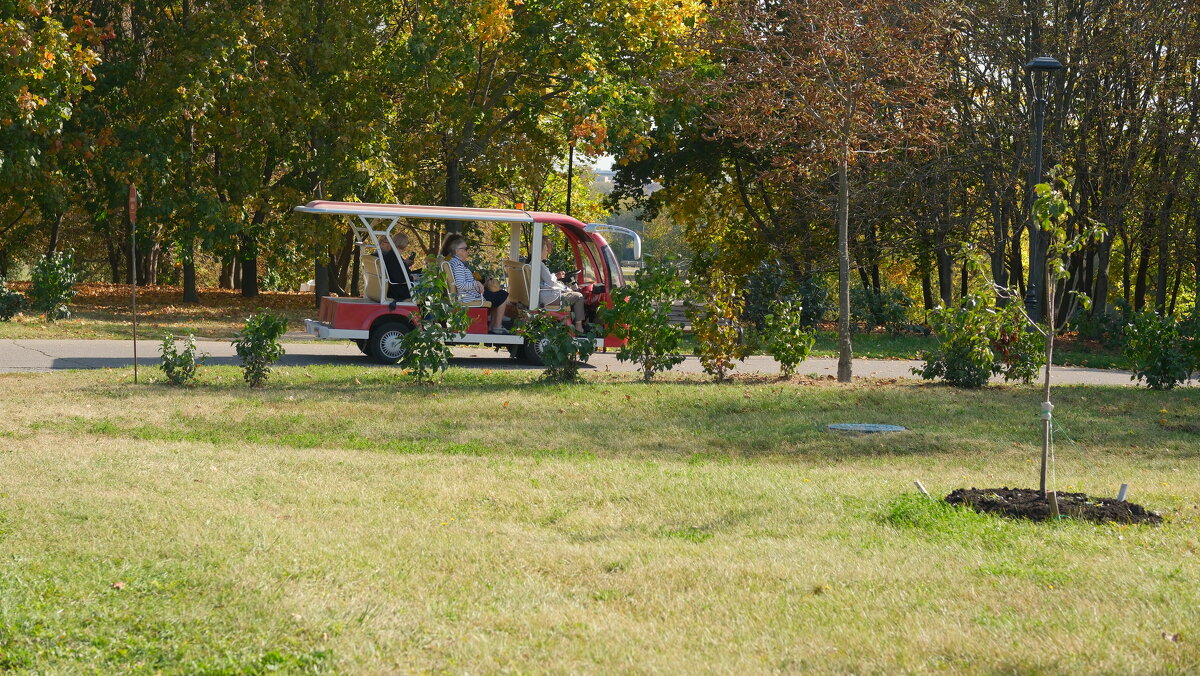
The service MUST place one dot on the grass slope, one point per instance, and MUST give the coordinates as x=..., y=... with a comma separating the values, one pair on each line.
x=345, y=521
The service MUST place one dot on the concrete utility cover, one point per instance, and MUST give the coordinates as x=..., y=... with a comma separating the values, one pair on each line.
x=868, y=428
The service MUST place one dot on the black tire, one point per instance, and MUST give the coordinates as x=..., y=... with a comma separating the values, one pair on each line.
x=384, y=346
x=364, y=346
x=533, y=353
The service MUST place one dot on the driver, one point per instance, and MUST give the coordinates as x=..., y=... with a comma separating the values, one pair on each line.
x=553, y=290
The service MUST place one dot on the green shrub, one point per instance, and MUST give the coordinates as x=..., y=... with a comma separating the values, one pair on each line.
x=715, y=317
x=887, y=309
x=1107, y=327
x=1159, y=351
x=641, y=316
x=978, y=340
x=766, y=285
x=786, y=335
x=814, y=298
x=426, y=353
x=180, y=367
x=11, y=302
x=562, y=352
x=258, y=346
x=53, y=282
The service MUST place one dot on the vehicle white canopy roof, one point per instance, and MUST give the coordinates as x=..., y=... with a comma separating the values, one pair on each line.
x=395, y=211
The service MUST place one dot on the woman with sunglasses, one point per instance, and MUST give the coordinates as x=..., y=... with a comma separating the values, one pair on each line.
x=454, y=250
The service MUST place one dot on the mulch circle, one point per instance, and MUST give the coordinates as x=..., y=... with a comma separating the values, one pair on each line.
x=1028, y=503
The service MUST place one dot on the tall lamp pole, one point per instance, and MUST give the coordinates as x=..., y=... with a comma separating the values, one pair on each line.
x=1039, y=71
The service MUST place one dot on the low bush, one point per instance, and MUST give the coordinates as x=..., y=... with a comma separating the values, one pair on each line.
x=11, y=302
x=815, y=299
x=180, y=366
x=426, y=353
x=562, y=352
x=52, y=285
x=258, y=346
x=1160, y=351
x=977, y=340
x=1107, y=327
x=769, y=282
x=887, y=309
x=786, y=335
x=641, y=315
x=715, y=314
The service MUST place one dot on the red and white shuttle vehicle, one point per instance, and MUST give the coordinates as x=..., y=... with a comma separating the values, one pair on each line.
x=377, y=323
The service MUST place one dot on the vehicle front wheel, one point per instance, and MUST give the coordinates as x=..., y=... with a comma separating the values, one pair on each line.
x=364, y=346
x=386, y=344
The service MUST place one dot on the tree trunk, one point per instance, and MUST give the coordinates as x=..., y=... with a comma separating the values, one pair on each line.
x=225, y=277
x=1139, y=284
x=1196, y=279
x=341, y=263
x=1016, y=268
x=845, y=350
x=926, y=285
x=55, y=229
x=945, y=270
x=113, y=249
x=1164, y=251
x=248, y=254
x=356, y=275
x=149, y=271
x=999, y=243
x=1175, y=288
x=454, y=196
x=321, y=282
x=1100, y=288
x=190, y=293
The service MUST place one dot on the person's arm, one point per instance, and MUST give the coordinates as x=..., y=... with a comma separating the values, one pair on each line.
x=548, y=280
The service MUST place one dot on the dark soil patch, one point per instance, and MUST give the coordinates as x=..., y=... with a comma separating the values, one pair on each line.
x=1027, y=503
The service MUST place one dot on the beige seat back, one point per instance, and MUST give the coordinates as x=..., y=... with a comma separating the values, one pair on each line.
x=518, y=282
x=526, y=275
x=372, y=277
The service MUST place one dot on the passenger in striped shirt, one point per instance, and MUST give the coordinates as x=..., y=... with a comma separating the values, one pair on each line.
x=455, y=249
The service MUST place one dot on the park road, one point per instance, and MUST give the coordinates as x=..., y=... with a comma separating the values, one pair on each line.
x=24, y=356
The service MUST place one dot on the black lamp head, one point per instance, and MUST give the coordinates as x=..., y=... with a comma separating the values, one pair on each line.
x=1044, y=64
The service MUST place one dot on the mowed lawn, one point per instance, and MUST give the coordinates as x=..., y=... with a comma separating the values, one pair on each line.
x=344, y=520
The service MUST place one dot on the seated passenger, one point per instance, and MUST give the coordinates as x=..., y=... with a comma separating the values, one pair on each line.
x=398, y=289
x=553, y=290
x=454, y=249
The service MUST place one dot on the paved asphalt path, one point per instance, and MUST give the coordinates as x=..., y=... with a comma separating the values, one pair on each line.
x=52, y=355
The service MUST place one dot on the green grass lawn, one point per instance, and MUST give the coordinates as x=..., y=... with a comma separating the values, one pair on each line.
x=343, y=520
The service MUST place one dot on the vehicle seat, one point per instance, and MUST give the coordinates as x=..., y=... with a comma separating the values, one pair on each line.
x=526, y=273
x=372, y=277
x=518, y=283
x=448, y=274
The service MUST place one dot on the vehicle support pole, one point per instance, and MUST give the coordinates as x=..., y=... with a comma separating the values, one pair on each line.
x=570, y=174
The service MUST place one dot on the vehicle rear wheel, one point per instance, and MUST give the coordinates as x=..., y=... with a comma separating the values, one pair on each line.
x=386, y=344
x=534, y=352
x=364, y=345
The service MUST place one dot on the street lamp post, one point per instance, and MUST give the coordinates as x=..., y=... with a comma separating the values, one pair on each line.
x=1039, y=71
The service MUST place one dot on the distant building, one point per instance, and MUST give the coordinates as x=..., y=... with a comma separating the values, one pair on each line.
x=603, y=182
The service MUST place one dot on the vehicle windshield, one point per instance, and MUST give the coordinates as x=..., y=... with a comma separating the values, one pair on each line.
x=614, y=268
